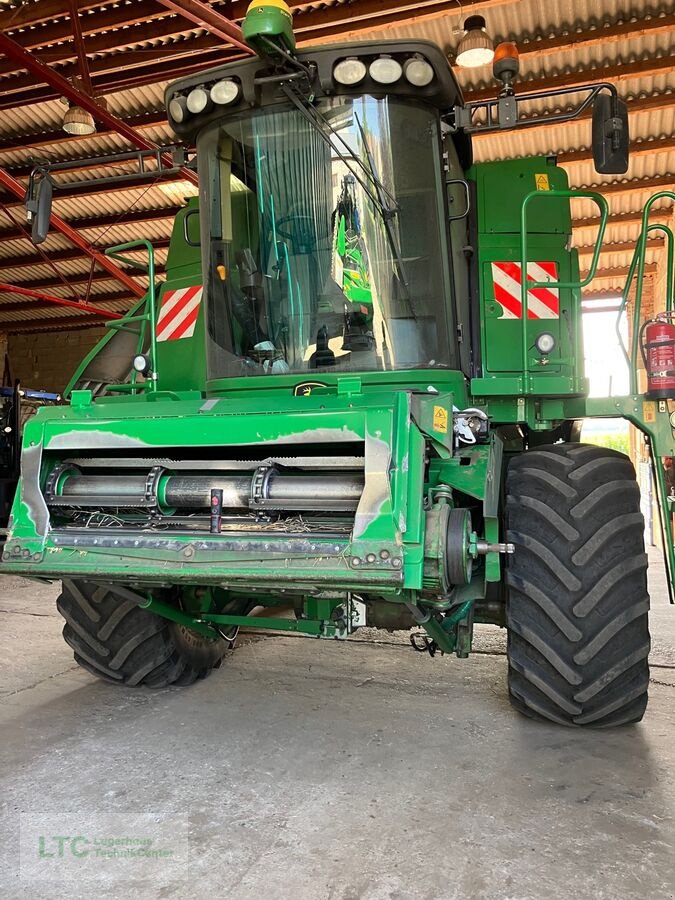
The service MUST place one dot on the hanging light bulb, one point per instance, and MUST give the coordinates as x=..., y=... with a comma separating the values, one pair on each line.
x=476, y=47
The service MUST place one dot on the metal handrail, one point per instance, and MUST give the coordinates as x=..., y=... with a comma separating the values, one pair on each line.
x=638, y=265
x=147, y=318
x=526, y=286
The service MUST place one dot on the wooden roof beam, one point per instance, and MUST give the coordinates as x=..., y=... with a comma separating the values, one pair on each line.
x=641, y=68
x=629, y=218
x=28, y=305
x=10, y=263
x=44, y=73
x=621, y=247
x=15, y=188
x=645, y=147
x=56, y=323
x=82, y=278
x=618, y=272
x=630, y=186
x=55, y=139
x=106, y=221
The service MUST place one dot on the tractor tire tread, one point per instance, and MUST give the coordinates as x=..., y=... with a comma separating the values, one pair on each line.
x=577, y=607
x=115, y=639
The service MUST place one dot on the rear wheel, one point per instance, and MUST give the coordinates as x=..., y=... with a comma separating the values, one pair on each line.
x=577, y=607
x=113, y=638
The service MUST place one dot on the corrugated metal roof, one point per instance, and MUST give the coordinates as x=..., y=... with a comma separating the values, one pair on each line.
x=32, y=132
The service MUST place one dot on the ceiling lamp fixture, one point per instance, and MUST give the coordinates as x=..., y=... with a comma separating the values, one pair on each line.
x=78, y=121
x=476, y=47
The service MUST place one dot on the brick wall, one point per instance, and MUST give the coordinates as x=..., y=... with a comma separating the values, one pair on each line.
x=46, y=360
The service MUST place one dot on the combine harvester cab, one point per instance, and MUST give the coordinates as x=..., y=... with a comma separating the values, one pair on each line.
x=349, y=395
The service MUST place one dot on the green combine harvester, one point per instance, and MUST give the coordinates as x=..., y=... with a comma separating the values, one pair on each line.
x=356, y=396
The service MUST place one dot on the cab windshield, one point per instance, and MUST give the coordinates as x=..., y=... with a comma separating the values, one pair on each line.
x=324, y=244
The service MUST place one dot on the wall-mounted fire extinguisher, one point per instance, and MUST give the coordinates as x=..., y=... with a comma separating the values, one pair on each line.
x=657, y=342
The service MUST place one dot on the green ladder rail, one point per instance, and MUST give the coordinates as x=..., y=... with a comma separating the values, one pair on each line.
x=636, y=272
x=527, y=286
x=147, y=319
x=637, y=267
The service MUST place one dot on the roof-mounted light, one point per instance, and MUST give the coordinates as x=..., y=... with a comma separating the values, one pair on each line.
x=197, y=100
x=350, y=71
x=225, y=92
x=476, y=47
x=178, y=108
x=418, y=71
x=386, y=70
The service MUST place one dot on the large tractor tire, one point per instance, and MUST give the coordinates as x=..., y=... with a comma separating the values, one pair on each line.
x=117, y=640
x=577, y=605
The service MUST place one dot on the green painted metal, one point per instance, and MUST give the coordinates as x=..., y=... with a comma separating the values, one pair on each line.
x=147, y=320
x=670, y=270
x=510, y=366
x=573, y=285
x=638, y=266
x=400, y=423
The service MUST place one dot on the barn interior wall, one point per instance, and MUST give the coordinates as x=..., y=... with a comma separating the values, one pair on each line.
x=46, y=361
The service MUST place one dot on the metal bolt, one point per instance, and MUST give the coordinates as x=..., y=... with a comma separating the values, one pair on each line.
x=26, y=554
x=356, y=561
x=384, y=554
x=371, y=558
x=397, y=562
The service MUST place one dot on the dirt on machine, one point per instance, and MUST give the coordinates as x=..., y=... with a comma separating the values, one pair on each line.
x=358, y=392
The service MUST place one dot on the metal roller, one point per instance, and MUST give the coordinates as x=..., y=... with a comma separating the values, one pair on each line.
x=266, y=488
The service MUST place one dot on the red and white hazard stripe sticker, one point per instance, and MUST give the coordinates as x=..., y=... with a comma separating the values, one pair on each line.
x=542, y=303
x=179, y=312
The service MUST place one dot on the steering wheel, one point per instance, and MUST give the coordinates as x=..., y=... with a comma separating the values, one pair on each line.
x=301, y=232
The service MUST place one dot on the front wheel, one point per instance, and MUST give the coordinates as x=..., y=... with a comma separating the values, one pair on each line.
x=577, y=607
x=115, y=639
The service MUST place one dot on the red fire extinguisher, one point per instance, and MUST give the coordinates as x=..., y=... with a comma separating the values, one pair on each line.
x=658, y=351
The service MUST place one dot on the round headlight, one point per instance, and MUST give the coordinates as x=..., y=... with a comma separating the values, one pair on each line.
x=141, y=364
x=545, y=343
x=224, y=92
x=197, y=100
x=178, y=109
x=419, y=72
x=350, y=71
x=386, y=70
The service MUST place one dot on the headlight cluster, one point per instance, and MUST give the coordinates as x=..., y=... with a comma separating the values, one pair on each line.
x=202, y=98
x=384, y=70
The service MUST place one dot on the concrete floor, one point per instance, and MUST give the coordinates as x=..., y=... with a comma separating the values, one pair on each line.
x=340, y=771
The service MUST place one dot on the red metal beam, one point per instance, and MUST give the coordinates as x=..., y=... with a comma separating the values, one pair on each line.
x=210, y=19
x=36, y=67
x=19, y=191
x=59, y=301
x=85, y=77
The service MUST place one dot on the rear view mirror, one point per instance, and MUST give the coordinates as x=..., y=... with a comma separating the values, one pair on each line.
x=610, y=135
x=39, y=206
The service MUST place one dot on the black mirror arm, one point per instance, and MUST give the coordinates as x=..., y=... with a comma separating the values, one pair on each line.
x=462, y=117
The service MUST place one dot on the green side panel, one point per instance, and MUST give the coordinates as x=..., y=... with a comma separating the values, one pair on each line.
x=501, y=188
x=181, y=361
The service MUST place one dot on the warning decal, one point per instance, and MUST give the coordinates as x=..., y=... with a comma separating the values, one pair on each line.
x=179, y=313
x=542, y=183
x=440, y=419
x=542, y=303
